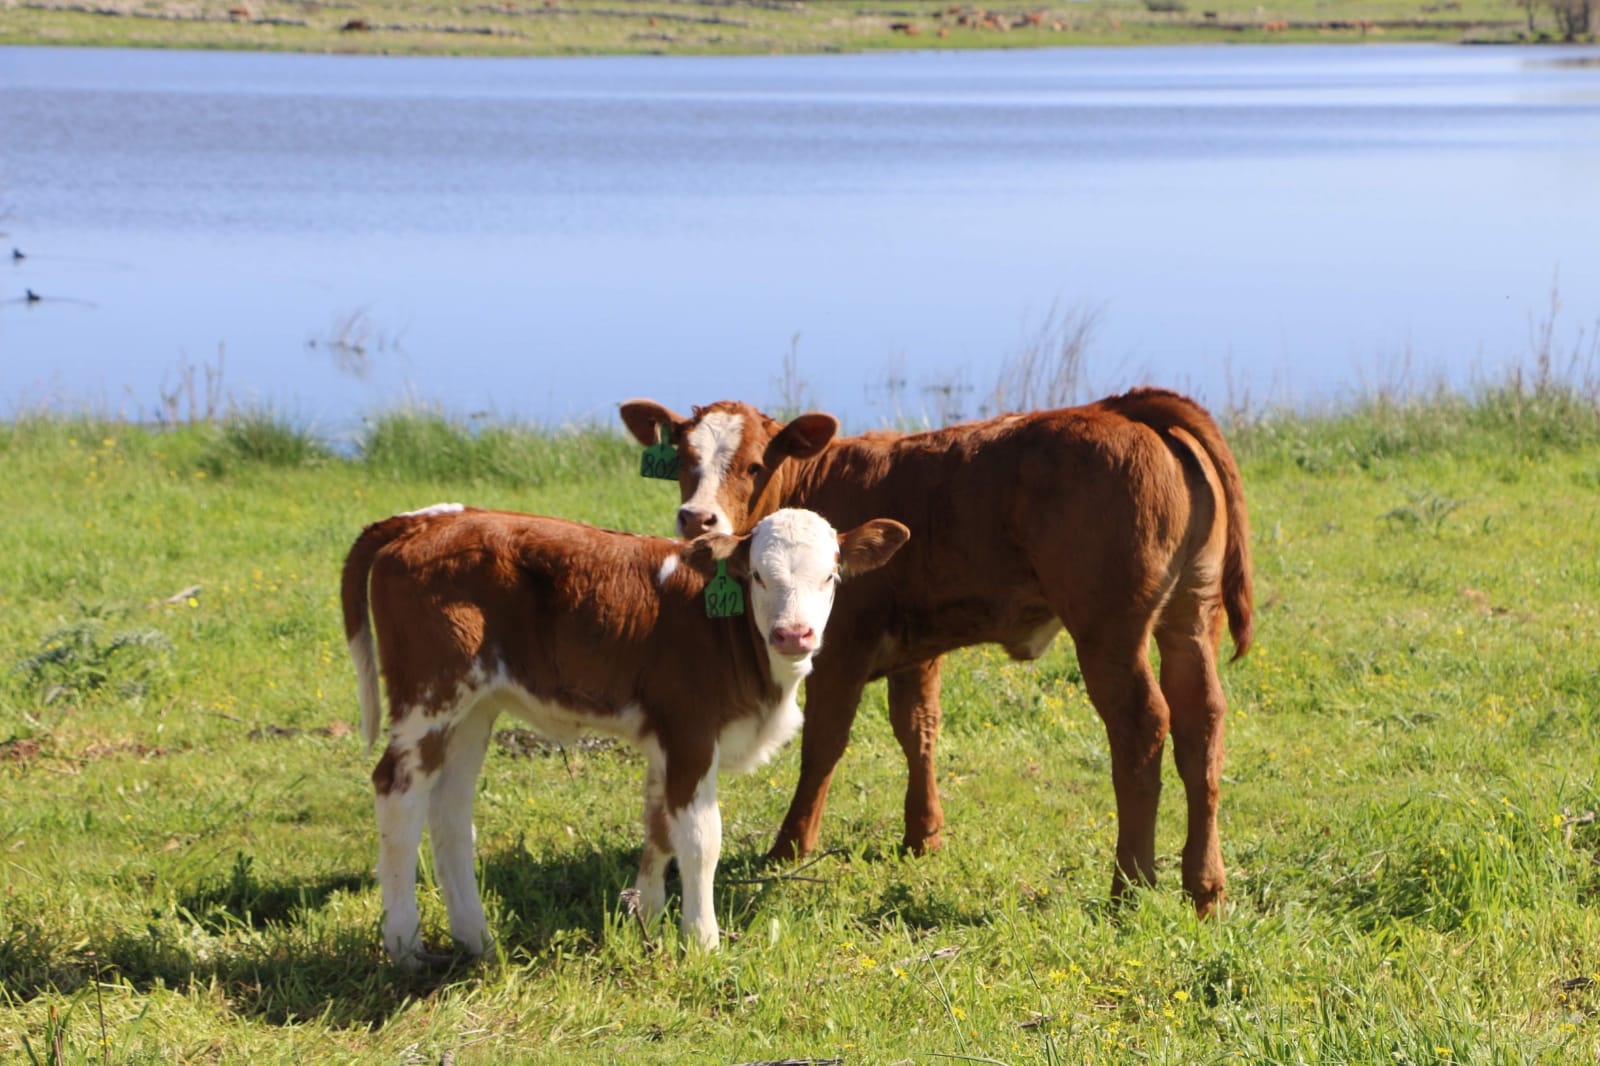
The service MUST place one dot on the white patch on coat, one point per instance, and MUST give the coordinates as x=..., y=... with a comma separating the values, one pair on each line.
x=669, y=566
x=438, y=508
x=714, y=441
x=746, y=743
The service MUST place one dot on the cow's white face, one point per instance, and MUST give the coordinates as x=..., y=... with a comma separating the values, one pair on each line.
x=794, y=570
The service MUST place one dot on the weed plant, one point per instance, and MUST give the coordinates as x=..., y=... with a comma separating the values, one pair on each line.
x=1408, y=809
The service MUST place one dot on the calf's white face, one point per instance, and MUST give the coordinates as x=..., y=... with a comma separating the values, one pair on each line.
x=794, y=569
x=793, y=561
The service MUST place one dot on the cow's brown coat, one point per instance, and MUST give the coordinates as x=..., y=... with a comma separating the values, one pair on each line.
x=1121, y=520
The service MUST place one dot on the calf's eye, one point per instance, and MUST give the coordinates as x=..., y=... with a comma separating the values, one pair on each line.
x=758, y=579
x=755, y=470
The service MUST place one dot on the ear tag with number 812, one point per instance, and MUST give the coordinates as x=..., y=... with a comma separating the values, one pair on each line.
x=724, y=595
x=660, y=459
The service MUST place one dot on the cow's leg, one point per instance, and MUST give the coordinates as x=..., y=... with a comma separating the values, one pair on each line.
x=451, y=832
x=652, y=880
x=915, y=713
x=832, y=694
x=1122, y=687
x=402, y=802
x=694, y=828
x=1188, y=637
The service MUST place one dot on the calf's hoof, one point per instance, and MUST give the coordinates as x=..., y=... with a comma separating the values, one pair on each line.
x=786, y=850
x=922, y=843
x=1208, y=902
x=419, y=963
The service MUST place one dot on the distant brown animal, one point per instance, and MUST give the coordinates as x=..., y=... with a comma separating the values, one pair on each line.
x=1120, y=521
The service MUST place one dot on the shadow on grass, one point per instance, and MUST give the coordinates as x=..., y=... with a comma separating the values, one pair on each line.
x=272, y=952
x=921, y=910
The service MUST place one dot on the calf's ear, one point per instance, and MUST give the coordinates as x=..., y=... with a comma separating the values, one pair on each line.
x=801, y=438
x=870, y=545
x=704, y=552
x=643, y=416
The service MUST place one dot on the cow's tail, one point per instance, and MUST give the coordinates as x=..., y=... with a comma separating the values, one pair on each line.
x=357, y=625
x=1161, y=409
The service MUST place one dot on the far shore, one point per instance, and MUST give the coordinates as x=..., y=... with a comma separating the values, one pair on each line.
x=713, y=27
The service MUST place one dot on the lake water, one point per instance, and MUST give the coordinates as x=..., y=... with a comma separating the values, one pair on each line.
x=542, y=238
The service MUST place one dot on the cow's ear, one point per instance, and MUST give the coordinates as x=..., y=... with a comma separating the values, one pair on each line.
x=643, y=416
x=802, y=438
x=704, y=552
x=870, y=545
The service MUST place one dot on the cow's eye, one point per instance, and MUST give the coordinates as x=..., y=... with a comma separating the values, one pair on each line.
x=755, y=470
x=756, y=575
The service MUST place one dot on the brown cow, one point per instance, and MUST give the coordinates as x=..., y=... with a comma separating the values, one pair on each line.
x=578, y=630
x=1120, y=520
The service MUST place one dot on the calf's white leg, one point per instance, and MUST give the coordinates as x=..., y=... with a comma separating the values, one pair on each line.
x=696, y=834
x=402, y=803
x=451, y=832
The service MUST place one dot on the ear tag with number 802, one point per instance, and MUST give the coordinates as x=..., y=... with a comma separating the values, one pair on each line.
x=660, y=459
x=724, y=595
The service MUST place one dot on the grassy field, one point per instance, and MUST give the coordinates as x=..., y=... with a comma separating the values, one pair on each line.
x=569, y=27
x=186, y=831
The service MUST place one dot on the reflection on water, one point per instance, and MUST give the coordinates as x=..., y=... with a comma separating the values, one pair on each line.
x=544, y=238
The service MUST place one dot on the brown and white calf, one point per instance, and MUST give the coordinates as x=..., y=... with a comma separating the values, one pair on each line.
x=1120, y=521
x=578, y=630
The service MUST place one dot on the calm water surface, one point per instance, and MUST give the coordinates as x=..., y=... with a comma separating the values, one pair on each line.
x=545, y=237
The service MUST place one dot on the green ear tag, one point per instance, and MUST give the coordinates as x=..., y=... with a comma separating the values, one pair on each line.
x=660, y=460
x=724, y=596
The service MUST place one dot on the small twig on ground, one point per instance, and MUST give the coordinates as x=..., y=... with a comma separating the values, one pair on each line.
x=943, y=953
x=1569, y=821
x=177, y=599
x=792, y=875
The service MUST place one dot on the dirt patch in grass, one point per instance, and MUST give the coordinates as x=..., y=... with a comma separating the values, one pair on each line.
x=111, y=749
x=20, y=751
x=526, y=744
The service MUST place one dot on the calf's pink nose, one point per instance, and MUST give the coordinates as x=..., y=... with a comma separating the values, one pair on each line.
x=793, y=640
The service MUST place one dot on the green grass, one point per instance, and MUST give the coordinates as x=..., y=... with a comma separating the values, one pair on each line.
x=186, y=833
x=570, y=27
